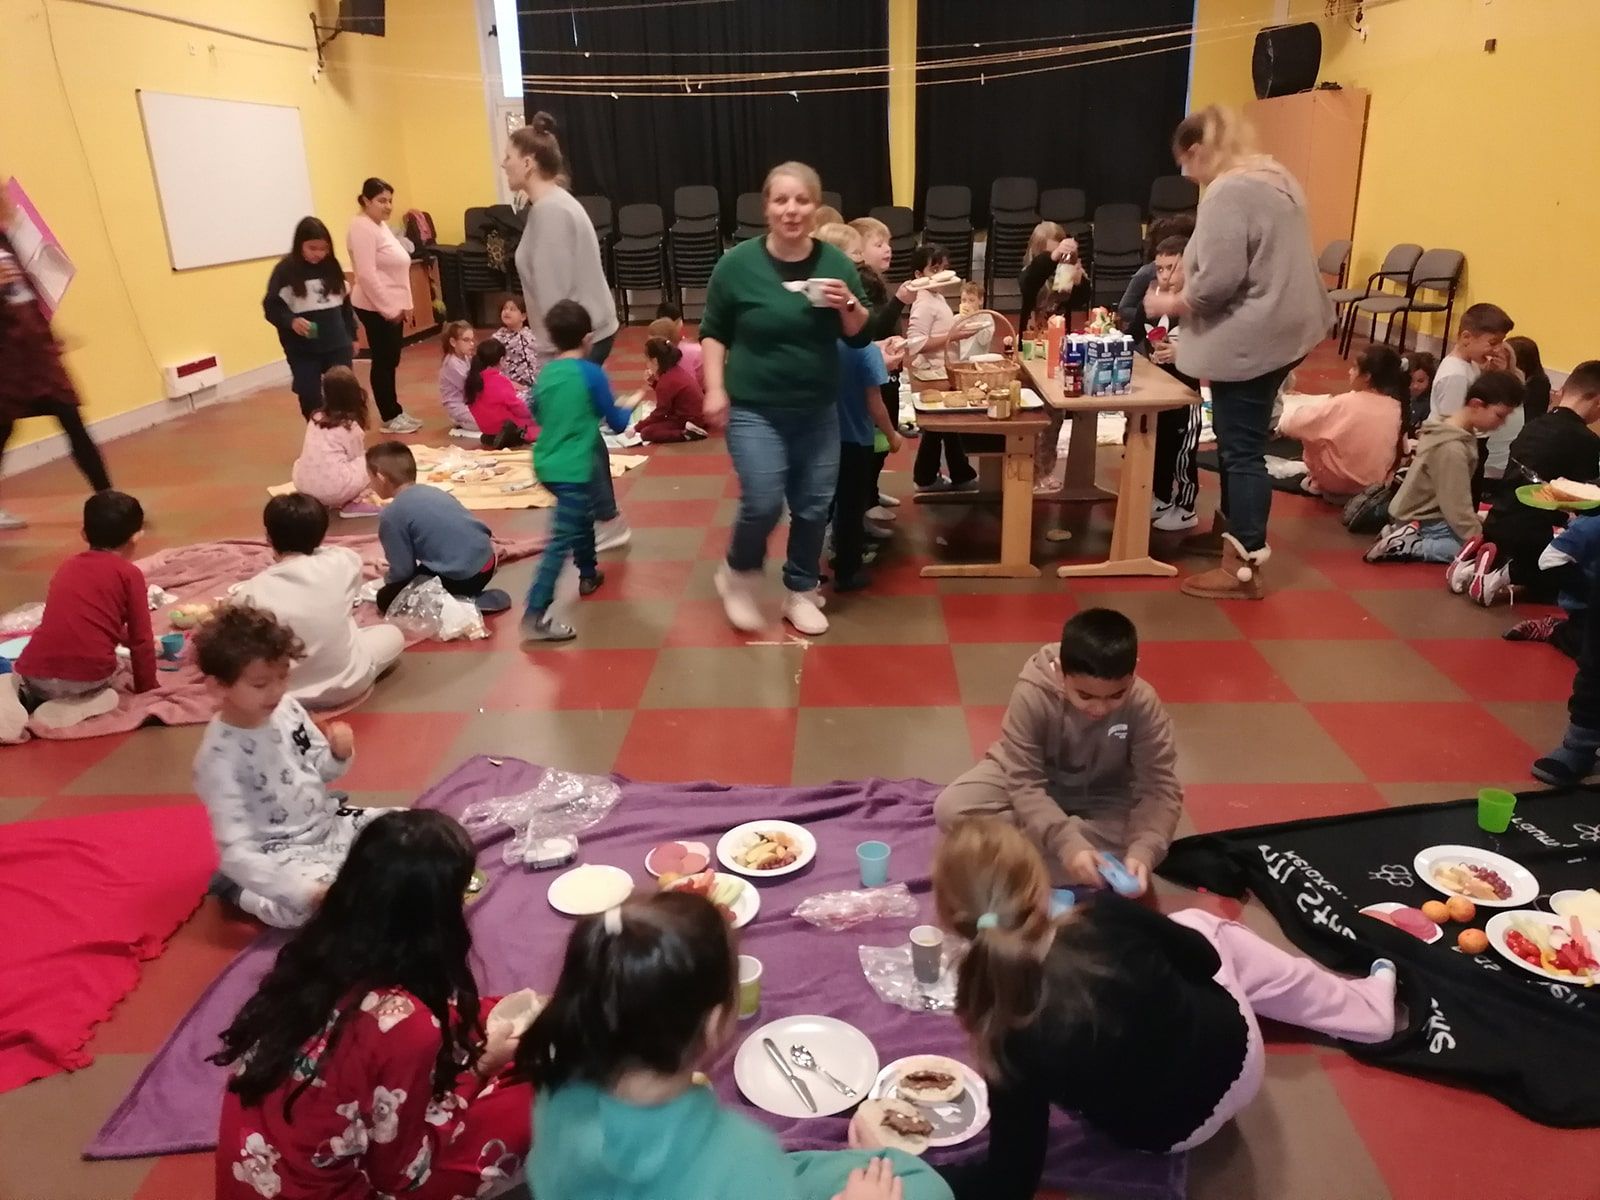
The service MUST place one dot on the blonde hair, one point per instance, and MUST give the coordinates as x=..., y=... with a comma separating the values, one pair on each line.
x=807, y=177
x=972, y=288
x=826, y=214
x=1225, y=138
x=665, y=328
x=1043, y=234
x=842, y=236
x=869, y=228
x=991, y=887
x=454, y=329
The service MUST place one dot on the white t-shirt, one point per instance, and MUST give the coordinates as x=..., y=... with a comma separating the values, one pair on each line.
x=1450, y=383
x=313, y=594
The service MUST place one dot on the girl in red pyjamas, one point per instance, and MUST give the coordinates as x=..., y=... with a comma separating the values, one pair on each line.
x=679, y=414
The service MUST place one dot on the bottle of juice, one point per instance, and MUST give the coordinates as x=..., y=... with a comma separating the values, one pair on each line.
x=1124, y=365
x=1072, y=367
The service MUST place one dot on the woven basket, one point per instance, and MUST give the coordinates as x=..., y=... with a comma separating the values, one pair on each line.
x=964, y=375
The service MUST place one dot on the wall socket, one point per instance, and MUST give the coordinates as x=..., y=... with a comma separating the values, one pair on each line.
x=1490, y=44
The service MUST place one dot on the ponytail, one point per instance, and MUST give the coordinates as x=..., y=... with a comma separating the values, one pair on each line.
x=488, y=354
x=665, y=353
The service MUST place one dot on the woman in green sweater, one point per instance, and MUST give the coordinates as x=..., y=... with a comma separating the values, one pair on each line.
x=775, y=311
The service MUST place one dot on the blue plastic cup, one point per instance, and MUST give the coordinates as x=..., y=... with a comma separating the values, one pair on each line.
x=874, y=860
x=172, y=646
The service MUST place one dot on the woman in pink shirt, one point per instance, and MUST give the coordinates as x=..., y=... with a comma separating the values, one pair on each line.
x=1352, y=441
x=381, y=296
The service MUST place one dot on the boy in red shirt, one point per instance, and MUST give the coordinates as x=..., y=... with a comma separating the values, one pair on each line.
x=97, y=601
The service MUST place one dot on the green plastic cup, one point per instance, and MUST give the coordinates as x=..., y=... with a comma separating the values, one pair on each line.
x=1495, y=807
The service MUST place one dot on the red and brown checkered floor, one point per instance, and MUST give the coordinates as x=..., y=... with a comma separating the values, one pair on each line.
x=1350, y=686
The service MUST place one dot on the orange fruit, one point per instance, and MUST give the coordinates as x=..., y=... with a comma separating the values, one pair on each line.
x=1436, y=911
x=1472, y=941
x=1461, y=909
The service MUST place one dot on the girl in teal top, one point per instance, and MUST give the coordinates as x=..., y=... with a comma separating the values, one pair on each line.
x=648, y=990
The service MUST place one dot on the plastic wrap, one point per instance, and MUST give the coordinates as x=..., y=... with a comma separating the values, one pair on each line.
x=424, y=605
x=561, y=804
x=25, y=618
x=888, y=970
x=838, y=911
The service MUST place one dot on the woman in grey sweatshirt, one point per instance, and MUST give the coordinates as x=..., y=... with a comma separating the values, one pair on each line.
x=1252, y=305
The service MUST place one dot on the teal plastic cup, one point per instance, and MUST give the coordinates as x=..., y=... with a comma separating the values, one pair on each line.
x=874, y=860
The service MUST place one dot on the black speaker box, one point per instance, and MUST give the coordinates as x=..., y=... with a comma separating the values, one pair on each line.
x=1286, y=59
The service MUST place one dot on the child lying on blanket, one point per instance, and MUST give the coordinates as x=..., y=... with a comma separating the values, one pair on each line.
x=263, y=771
x=312, y=589
x=1085, y=762
x=648, y=990
x=97, y=601
x=367, y=1064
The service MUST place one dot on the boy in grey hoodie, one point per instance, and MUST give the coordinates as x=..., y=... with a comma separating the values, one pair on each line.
x=1432, y=516
x=1086, y=762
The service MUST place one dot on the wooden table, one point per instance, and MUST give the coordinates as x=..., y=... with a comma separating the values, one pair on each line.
x=1153, y=390
x=1021, y=433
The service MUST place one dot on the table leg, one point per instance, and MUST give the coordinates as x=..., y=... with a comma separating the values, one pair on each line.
x=1130, y=530
x=1078, y=485
x=1016, y=520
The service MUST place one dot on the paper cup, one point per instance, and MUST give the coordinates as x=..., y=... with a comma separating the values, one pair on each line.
x=1494, y=810
x=874, y=860
x=814, y=292
x=750, y=970
x=927, y=953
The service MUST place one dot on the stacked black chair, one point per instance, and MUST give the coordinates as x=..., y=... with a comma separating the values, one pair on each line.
x=695, y=239
x=600, y=216
x=832, y=200
x=750, y=217
x=1118, y=251
x=947, y=220
x=640, y=252
x=902, y=238
x=508, y=223
x=1173, y=194
x=1013, y=212
x=476, y=277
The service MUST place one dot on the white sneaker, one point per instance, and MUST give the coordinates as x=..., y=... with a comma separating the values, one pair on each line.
x=1172, y=519
x=882, y=515
x=609, y=535
x=404, y=423
x=693, y=432
x=61, y=714
x=800, y=610
x=456, y=431
x=1458, y=575
x=816, y=597
x=11, y=520
x=888, y=501
x=1397, y=543
x=737, y=589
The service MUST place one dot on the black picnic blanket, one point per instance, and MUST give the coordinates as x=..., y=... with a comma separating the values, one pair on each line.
x=1479, y=1022
x=1278, y=447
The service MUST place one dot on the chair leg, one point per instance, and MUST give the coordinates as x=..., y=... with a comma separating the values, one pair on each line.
x=1405, y=327
x=1449, y=309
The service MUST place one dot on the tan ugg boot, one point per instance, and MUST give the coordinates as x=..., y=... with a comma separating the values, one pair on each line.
x=1209, y=543
x=1238, y=578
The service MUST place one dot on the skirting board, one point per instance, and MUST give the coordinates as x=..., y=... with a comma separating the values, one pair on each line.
x=157, y=412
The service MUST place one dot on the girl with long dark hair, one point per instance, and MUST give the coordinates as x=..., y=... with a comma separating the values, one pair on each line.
x=648, y=992
x=361, y=1067
x=1353, y=440
x=1143, y=1025
x=308, y=304
x=497, y=405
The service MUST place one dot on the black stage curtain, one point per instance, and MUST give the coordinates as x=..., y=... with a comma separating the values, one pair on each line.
x=638, y=149
x=1105, y=126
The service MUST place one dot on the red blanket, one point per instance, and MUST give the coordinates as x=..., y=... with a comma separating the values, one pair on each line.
x=82, y=903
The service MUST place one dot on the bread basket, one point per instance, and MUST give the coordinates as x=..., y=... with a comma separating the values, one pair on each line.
x=997, y=371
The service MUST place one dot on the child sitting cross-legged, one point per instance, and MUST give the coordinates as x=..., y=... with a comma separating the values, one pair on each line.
x=366, y=1064
x=521, y=363
x=459, y=340
x=332, y=465
x=263, y=771
x=669, y=324
x=497, y=406
x=1352, y=441
x=1086, y=762
x=1432, y=515
x=97, y=601
x=649, y=992
x=571, y=395
x=425, y=531
x=312, y=588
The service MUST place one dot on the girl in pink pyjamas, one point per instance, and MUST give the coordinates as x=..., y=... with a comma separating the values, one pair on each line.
x=333, y=465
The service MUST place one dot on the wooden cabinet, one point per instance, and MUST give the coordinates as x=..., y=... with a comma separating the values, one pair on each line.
x=424, y=288
x=1319, y=136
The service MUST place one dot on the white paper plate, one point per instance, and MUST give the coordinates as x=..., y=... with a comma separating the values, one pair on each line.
x=1390, y=905
x=1500, y=924
x=1560, y=900
x=696, y=847
x=589, y=889
x=1524, y=887
x=956, y=1121
x=744, y=909
x=741, y=837
x=840, y=1047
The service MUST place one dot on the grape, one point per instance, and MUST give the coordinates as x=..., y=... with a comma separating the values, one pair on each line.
x=1502, y=889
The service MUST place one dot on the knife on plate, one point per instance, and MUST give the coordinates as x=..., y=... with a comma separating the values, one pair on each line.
x=795, y=1081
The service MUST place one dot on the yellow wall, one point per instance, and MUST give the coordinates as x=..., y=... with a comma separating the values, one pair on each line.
x=1225, y=35
x=74, y=139
x=1495, y=154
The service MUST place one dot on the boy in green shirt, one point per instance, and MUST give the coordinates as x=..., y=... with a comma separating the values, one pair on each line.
x=570, y=393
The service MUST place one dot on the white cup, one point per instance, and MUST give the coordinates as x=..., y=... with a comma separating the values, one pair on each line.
x=927, y=953
x=749, y=986
x=815, y=289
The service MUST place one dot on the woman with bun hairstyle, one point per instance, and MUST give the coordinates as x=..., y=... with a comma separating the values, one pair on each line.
x=559, y=258
x=649, y=993
x=1143, y=1025
x=382, y=296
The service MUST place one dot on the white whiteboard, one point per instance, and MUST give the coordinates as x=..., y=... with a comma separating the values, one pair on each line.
x=231, y=176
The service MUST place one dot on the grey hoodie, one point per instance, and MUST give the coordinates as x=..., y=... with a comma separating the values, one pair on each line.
x=1256, y=302
x=1438, y=487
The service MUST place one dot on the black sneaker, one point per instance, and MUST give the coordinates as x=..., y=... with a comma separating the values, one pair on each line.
x=588, y=585
x=494, y=600
x=852, y=583
x=1557, y=772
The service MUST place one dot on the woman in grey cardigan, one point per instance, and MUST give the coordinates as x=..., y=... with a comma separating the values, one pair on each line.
x=558, y=258
x=1252, y=305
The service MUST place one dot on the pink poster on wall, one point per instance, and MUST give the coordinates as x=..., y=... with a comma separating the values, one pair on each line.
x=38, y=251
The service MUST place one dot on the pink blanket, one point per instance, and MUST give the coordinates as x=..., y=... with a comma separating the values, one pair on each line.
x=203, y=573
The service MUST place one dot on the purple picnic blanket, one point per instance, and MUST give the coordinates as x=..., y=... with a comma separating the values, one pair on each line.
x=519, y=939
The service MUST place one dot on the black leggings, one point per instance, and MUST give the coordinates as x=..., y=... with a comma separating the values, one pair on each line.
x=84, y=452
x=467, y=589
x=384, y=339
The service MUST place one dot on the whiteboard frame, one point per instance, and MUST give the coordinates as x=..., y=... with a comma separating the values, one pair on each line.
x=194, y=260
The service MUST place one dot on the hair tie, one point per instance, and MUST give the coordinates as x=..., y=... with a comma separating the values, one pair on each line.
x=988, y=921
x=613, y=920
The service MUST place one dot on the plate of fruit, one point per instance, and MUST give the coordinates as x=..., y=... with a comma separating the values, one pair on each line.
x=1549, y=945
x=763, y=848
x=735, y=899
x=1482, y=876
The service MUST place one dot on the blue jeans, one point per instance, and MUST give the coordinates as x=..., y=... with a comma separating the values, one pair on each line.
x=1241, y=413
x=571, y=535
x=1437, y=542
x=783, y=454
